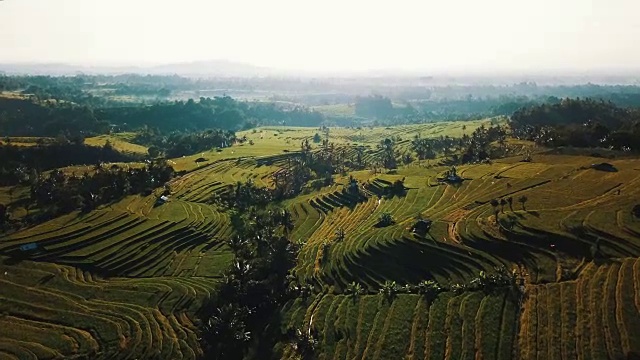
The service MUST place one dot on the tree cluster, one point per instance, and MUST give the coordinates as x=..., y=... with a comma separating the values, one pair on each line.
x=20, y=162
x=178, y=143
x=58, y=193
x=579, y=123
x=253, y=288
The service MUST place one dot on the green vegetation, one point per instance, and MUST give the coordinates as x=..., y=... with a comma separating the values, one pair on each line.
x=439, y=240
x=580, y=123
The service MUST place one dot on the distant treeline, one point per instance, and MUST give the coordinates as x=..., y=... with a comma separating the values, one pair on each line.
x=96, y=104
x=385, y=112
x=176, y=144
x=18, y=162
x=580, y=123
x=28, y=117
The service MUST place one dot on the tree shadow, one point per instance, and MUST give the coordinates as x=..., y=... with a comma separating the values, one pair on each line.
x=14, y=260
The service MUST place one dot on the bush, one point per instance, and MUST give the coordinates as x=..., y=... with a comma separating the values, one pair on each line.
x=385, y=219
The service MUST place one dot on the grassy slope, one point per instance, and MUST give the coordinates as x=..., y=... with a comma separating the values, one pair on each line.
x=161, y=257
x=120, y=141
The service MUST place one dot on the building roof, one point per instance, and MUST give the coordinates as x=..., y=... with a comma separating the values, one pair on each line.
x=27, y=247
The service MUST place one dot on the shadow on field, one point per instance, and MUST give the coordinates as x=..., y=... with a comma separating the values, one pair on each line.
x=12, y=261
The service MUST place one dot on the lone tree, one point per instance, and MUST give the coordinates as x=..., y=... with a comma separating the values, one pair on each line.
x=153, y=151
x=389, y=290
x=355, y=289
x=385, y=219
x=510, y=201
x=495, y=204
x=503, y=202
x=523, y=199
x=387, y=155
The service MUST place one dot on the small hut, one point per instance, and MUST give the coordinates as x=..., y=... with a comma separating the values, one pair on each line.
x=28, y=248
x=451, y=176
x=161, y=200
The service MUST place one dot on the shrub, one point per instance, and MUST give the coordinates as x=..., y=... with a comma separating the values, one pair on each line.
x=385, y=219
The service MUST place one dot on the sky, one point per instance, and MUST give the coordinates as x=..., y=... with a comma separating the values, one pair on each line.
x=327, y=35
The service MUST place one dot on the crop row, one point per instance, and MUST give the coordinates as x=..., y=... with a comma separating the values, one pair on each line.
x=593, y=317
x=465, y=326
x=54, y=311
x=126, y=245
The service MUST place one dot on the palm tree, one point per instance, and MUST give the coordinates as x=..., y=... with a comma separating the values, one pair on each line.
x=429, y=288
x=286, y=221
x=236, y=244
x=360, y=156
x=227, y=327
x=355, y=289
x=387, y=155
x=340, y=234
x=495, y=204
x=389, y=289
x=523, y=199
x=304, y=343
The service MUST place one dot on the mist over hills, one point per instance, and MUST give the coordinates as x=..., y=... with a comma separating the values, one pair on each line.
x=212, y=68
x=234, y=69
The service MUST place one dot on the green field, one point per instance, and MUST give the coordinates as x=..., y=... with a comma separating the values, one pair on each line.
x=128, y=279
x=121, y=142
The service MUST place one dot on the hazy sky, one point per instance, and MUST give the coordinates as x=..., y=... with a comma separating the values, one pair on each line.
x=327, y=35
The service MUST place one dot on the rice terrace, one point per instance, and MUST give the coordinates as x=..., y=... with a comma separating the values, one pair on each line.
x=552, y=271
x=343, y=181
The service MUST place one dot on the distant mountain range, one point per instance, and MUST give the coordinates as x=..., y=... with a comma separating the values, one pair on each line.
x=226, y=68
x=213, y=68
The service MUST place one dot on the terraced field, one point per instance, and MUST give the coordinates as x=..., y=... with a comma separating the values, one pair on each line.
x=121, y=142
x=571, y=209
x=462, y=326
x=128, y=280
x=58, y=311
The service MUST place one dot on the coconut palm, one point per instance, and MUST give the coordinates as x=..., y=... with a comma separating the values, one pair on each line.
x=355, y=289
x=304, y=343
x=236, y=244
x=389, y=289
x=429, y=288
x=523, y=199
x=286, y=221
x=495, y=203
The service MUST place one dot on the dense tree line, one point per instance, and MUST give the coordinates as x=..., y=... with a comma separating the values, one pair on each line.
x=97, y=101
x=19, y=162
x=242, y=317
x=29, y=117
x=385, y=112
x=178, y=143
x=580, y=123
x=58, y=193
x=375, y=106
x=243, y=196
x=24, y=117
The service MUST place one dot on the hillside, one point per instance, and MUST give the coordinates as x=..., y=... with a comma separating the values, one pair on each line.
x=552, y=273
